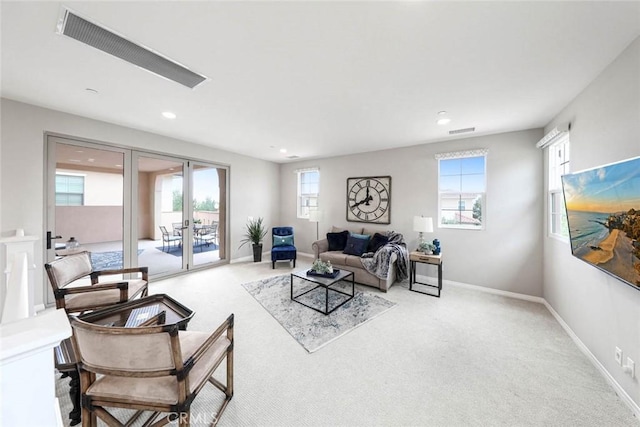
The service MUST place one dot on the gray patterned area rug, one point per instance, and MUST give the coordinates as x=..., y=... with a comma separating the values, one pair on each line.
x=314, y=330
x=108, y=260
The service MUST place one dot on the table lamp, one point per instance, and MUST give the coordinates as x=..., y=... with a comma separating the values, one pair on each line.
x=422, y=225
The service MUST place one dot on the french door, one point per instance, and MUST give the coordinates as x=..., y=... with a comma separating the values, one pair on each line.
x=180, y=211
x=134, y=208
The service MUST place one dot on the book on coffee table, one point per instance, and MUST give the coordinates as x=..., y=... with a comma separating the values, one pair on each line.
x=138, y=316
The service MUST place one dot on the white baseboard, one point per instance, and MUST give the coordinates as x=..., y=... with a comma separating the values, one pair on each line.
x=624, y=396
x=268, y=256
x=307, y=255
x=434, y=281
x=242, y=259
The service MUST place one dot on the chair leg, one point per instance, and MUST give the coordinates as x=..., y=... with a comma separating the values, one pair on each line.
x=229, y=391
x=294, y=263
x=273, y=265
x=184, y=420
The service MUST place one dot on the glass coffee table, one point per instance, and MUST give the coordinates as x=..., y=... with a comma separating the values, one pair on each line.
x=166, y=309
x=326, y=283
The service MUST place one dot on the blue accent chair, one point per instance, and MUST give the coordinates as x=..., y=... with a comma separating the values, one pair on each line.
x=282, y=248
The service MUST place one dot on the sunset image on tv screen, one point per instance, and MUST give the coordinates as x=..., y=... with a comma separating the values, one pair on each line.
x=603, y=214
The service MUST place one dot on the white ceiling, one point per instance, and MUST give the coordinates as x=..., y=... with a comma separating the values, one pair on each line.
x=319, y=78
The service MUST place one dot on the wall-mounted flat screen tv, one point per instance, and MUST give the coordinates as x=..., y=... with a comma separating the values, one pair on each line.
x=603, y=214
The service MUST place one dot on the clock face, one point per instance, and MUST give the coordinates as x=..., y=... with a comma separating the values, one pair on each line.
x=369, y=199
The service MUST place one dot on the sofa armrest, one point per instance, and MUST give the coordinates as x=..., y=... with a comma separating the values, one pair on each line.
x=320, y=246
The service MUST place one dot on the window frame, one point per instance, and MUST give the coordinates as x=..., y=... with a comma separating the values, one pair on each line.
x=300, y=211
x=557, y=214
x=66, y=194
x=480, y=194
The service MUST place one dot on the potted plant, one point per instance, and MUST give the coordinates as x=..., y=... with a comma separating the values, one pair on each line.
x=255, y=233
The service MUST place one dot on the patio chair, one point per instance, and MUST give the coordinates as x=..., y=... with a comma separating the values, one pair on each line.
x=168, y=238
x=177, y=228
x=207, y=234
x=74, y=298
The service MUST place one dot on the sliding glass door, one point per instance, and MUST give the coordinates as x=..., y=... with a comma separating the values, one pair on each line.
x=162, y=234
x=208, y=206
x=131, y=208
x=178, y=209
x=86, y=202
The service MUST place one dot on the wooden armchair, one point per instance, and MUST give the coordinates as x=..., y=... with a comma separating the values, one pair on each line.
x=75, y=298
x=151, y=368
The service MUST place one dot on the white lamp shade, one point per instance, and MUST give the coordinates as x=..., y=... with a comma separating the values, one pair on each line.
x=422, y=224
x=315, y=216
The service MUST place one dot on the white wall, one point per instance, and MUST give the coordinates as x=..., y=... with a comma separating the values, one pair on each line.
x=253, y=183
x=507, y=255
x=603, y=311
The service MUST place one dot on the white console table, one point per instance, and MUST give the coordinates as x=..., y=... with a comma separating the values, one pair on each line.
x=27, y=370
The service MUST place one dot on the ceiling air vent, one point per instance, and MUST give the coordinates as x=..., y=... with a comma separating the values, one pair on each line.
x=457, y=131
x=73, y=26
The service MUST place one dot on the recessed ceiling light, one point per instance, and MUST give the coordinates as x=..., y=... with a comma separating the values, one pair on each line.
x=283, y=150
x=443, y=121
x=168, y=115
x=442, y=113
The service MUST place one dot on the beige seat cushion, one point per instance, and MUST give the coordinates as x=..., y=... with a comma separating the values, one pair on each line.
x=110, y=296
x=353, y=261
x=335, y=257
x=163, y=390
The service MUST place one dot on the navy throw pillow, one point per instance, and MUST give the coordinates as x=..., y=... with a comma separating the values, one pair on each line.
x=337, y=241
x=356, y=246
x=377, y=241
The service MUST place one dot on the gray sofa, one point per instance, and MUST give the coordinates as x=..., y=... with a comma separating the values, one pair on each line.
x=352, y=263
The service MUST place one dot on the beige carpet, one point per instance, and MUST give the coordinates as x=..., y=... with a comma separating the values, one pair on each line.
x=466, y=359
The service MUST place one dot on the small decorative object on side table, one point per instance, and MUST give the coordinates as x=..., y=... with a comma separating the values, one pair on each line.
x=415, y=257
x=436, y=247
x=426, y=248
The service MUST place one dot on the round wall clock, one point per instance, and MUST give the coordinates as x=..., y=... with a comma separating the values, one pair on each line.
x=369, y=199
